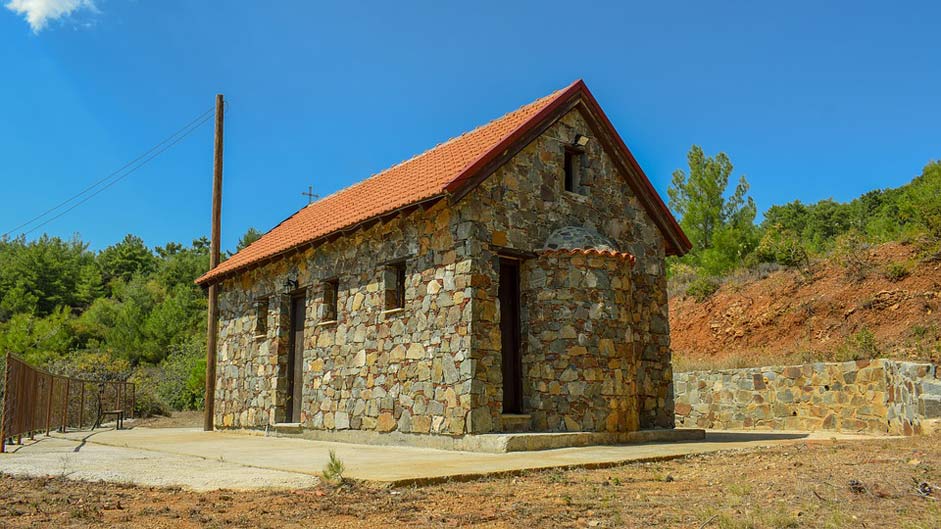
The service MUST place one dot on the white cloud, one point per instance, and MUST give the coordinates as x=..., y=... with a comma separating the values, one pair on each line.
x=39, y=13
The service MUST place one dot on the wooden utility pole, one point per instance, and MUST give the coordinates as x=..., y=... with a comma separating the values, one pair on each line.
x=214, y=255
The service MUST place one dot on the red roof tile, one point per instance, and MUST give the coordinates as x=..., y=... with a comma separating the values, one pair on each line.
x=627, y=256
x=431, y=174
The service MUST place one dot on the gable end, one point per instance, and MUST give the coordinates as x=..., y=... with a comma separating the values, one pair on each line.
x=582, y=100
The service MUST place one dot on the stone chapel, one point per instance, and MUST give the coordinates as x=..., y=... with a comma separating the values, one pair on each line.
x=510, y=279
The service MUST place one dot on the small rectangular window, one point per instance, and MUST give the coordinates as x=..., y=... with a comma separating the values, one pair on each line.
x=394, y=286
x=331, y=296
x=261, y=317
x=571, y=164
x=570, y=170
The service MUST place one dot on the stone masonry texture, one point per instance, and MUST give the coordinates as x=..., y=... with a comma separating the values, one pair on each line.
x=878, y=396
x=578, y=365
x=595, y=337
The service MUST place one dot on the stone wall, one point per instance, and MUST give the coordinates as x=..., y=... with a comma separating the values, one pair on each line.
x=579, y=370
x=407, y=370
x=519, y=207
x=913, y=396
x=880, y=396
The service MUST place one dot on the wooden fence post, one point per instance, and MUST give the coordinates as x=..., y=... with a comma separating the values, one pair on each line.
x=33, y=397
x=65, y=406
x=81, y=408
x=52, y=383
x=3, y=405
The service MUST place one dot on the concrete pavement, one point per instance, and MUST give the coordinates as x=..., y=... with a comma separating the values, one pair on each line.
x=51, y=456
x=201, y=460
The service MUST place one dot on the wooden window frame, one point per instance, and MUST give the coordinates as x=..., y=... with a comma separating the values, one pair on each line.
x=394, y=294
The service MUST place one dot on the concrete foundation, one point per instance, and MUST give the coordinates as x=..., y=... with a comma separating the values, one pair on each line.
x=490, y=443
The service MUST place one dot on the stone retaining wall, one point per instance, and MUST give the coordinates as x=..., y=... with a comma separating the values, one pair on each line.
x=880, y=396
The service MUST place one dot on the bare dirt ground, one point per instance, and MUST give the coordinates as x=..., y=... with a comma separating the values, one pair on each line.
x=790, y=316
x=179, y=419
x=878, y=483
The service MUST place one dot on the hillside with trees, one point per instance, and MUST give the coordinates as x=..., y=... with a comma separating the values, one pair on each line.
x=820, y=281
x=128, y=311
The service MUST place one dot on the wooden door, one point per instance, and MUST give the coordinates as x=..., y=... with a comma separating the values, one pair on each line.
x=509, y=295
x=295, y=375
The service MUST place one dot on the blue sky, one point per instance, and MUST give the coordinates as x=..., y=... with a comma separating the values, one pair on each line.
x=809, y=99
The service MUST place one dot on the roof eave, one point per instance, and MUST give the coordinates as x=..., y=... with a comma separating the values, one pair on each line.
x=210, y=278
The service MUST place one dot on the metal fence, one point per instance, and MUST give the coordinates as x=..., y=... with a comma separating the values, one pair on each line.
x=35, y=400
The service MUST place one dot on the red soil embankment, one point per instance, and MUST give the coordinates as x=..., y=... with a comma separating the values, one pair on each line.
x=825, y=314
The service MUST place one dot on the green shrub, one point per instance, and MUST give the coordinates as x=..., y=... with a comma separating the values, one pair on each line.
x=91, y=365
x=3, y=372
x=147, y=401
x=929, y=250
x=194, y=397
x=333, y=471
x=38, y=340
x=924, y=200
x=858, y=346
x=865, y=343
x=782, y=246
x=925, y=341
x=701, y=288
x=182, y=377
x=679, y=276
x=177, y=383
x=897, y=271
x=851, y=251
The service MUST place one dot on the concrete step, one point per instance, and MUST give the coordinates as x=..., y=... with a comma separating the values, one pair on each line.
x=523, y=442
x=287, y=428
x=516, y=422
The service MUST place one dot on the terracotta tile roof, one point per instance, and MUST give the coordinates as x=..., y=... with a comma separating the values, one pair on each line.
x=591, y=251
x=434, y=173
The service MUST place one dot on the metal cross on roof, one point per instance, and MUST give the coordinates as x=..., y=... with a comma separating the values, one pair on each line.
x=310, y=194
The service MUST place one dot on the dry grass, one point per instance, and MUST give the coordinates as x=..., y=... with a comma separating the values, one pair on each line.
x=178, y=419
x=800, y=485
x=858, y=346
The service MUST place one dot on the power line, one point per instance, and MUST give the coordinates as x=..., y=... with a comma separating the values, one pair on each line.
x=123, y=176
x=166, y=143
x=118, y=171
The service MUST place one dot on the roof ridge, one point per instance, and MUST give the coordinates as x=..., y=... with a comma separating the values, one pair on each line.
x=443, y=143
x=423, y=153
x=483, y=125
